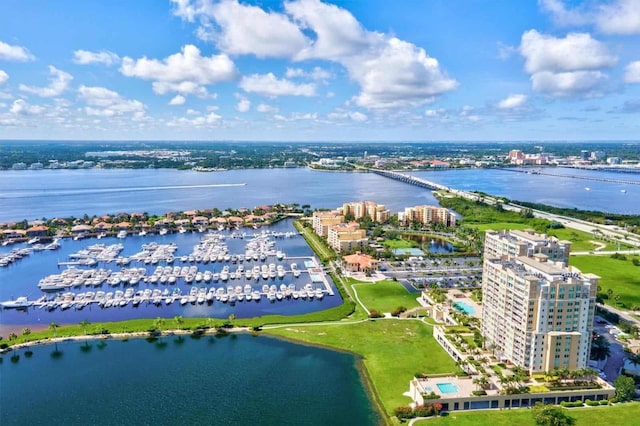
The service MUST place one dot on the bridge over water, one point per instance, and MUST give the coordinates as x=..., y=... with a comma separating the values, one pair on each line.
x=423, y=183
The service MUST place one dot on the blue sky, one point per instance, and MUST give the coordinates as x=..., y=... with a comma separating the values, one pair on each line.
x=307, y=70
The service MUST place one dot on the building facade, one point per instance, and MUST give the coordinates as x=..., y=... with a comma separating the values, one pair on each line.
x=323, y=220
x=525, y=243
x=359, y=209
x=426, y=215
x=538, y=313
x=346, y=237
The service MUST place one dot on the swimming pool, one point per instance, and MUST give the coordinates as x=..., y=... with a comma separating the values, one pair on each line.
x=464, y=308
x=447, y=388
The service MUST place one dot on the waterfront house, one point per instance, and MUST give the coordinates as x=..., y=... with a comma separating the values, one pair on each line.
x=37, y=231
x=14, y=233
x=200, y=221
x=81, y=229
x=102, y=227
x=123, y=226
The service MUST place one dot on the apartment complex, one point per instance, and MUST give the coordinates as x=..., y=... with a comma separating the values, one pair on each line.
x=346, y=237
x=323, y=220
x=537, y=313
x=426, y=215
x=525, y=243
x=359, y=209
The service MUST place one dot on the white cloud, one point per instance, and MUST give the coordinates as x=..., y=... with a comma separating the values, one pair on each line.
x=577, y=51
x=243, y=104
x=14, y=53
x=567, y=83
x=512, y=101
x=316, y=73
x=350, y=115
x=244, y=29
x=614, y=17
x=3, y=77
x=84, y=57
x=433, y=113
x=210, y=120
x=267, y=109
x=565, y=66
x=177, y=100
x=297, y=116
x=632, y=72
x=269, y=85
x=391, y=72
x=58, y=84
x=108, y=103
x=185, y=72
x=21, y=107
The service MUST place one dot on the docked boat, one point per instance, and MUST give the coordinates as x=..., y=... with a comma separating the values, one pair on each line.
x=20, y=303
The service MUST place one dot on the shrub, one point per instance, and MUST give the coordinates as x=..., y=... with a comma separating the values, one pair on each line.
x=574, y=404
x=431, y=395
x=591, y=403
x=403, y=412
x=604, y=402
x=397, y=311
x=478, y=392
x=375, y=314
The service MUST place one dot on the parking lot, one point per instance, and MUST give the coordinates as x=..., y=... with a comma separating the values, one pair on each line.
x=446, y=272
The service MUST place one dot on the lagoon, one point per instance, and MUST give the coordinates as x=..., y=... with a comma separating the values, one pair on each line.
x=237, y=379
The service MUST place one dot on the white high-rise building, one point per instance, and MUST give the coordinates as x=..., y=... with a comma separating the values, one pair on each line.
x=537, y=313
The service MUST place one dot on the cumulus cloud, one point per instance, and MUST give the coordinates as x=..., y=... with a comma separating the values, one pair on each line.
x=512, y=101
x=10, y=52
x=177, y=100
x=21, y=107
x=3, y=77
x=390, y=72
x=565, y=66
x=614, y=17
x=58, y=83
x=243, y=29
x=267, y=109
x=269, y=85
x=108, y=103
x=631, y=73
x=85, y=57
x=243, y=104
x=185, y=72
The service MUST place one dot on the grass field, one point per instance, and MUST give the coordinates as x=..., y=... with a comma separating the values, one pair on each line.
x=384, y=296
x=397, y=244
x=621, y=276
x=621, y=414
x=393, y=352
x=317, y=245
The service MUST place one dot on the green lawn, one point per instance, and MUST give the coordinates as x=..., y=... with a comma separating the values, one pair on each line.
x=497, y=226
x=619, y=275
x=396, y=244
x=384, y=296
x=393, y=352
x=620, y=414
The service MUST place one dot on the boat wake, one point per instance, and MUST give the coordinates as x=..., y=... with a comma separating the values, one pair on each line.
x=121, y=189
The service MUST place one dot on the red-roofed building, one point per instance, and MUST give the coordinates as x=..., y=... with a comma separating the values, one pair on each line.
x=359, y=262
x=37, y=231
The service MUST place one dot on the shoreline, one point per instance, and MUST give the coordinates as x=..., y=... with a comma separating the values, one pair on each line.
x=125, y=336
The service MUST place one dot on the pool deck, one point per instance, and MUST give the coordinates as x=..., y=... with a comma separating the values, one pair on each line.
x=458, y=296
x=465, y=386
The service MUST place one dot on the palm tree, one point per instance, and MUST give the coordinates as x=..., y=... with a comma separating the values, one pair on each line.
x=158, y=323
x=12, y=336
x=178, y=320
x=84, y=323
x=26, y=331
x=53, y=326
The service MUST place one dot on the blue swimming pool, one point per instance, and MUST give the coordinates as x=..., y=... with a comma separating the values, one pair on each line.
x=447, y=388
x=464, y=308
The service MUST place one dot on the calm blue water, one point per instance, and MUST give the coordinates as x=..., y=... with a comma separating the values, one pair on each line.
x=21, y=279
x=64, y=193
x=233, y=380
x=551, y=190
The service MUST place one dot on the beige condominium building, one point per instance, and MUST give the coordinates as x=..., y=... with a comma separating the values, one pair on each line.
x=427, y=214
x=360, y=209
x=346, y=237
x=525, y=243
x=323, y=220
x=538, y=313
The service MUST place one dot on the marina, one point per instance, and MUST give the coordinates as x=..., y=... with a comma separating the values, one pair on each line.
x=211, y=273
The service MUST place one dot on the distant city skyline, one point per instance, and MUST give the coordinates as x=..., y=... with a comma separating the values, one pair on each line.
x=307, y=70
